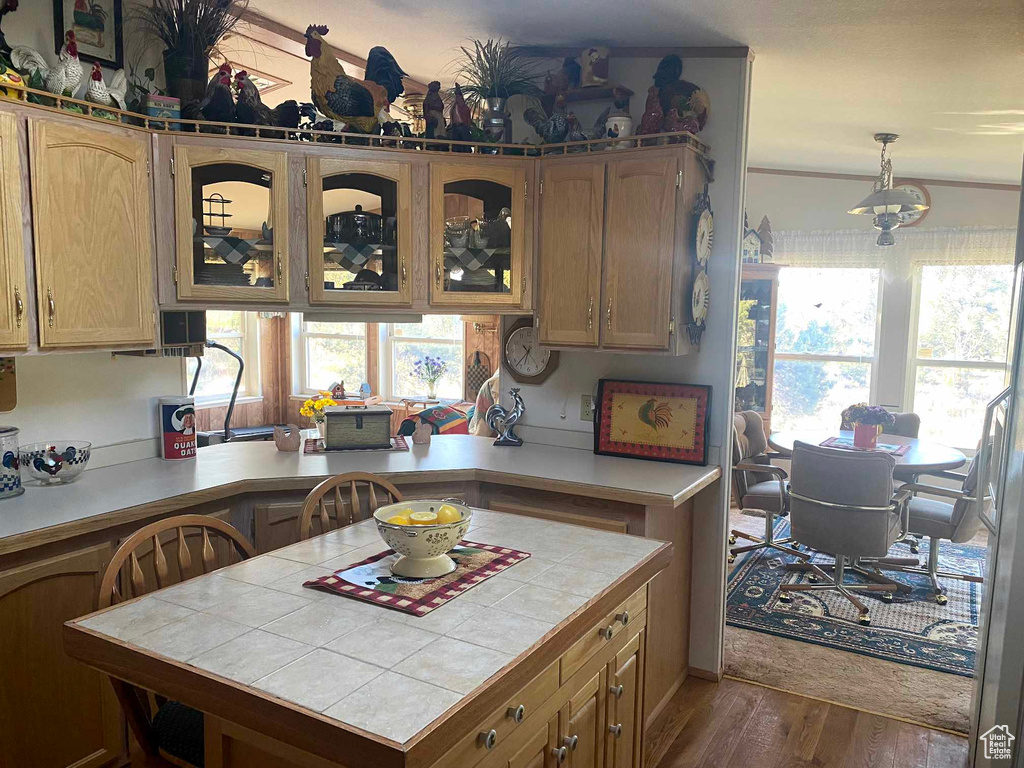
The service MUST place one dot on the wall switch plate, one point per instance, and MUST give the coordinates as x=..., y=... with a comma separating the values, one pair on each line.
x=587, y=408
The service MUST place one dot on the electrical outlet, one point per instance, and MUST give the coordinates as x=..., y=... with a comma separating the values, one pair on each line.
x=587, y=408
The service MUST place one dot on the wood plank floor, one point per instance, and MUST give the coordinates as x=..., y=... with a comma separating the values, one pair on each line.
x=733, y=724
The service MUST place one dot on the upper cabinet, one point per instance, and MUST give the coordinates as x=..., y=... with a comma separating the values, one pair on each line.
x=13, y=318
x=231, y=224
x=92, y=218
x=479, y=248
x=359, y=218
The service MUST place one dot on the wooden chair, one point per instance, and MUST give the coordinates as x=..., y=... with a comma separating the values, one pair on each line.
x=315, y=501
x=167, y=732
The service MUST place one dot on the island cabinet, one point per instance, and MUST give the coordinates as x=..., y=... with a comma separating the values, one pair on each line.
x=614, y=250
x=13, y=319
x=93, y=234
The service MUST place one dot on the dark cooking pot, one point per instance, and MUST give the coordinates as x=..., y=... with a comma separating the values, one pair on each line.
x=355, y=227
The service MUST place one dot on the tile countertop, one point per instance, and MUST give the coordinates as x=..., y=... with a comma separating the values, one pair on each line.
x=388, y=673
x=225, y=470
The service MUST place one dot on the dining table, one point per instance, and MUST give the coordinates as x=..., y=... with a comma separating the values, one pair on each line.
x=921, y=457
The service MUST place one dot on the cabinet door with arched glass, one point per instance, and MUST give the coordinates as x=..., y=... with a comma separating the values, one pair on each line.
x=478, y=235
x=231, y=224
x=360, y=231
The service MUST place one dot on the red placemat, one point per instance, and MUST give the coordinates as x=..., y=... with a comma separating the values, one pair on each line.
x=316, y=445
x=371, y=579
x=846, y=443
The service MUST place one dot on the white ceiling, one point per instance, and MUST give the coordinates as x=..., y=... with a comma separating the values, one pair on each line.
x=946, y=74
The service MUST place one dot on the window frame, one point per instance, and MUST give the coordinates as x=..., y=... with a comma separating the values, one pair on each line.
x=302, y=337
x=250, y=389
x=387, y=358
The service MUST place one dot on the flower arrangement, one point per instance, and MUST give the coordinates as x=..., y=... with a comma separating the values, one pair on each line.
x=313, y=408
x=871, y=415
x=430, y=370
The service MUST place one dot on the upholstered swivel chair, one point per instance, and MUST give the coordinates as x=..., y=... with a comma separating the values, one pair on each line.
x=758, y=484
x=842, y=503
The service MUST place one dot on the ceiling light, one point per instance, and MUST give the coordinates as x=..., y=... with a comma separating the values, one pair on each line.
x=887, y=205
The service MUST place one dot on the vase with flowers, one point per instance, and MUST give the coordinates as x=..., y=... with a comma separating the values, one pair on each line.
x=430, y=370
x=867, y=422
x=314, y=408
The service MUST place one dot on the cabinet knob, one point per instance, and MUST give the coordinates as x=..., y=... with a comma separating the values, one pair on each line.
x=19, y=306
x=623, y=618
x=606, y=632
x=52, y=306
x=517, y=714
x=616, y=691
x=488, y=739
x=571, y=742
x=615, y=730
x=561, y=753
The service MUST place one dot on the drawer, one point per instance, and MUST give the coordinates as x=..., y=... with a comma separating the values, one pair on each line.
x=597, y=638
x=474, y=747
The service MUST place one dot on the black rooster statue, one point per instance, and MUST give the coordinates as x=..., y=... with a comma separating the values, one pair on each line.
x=504, y=422
x=6, y=6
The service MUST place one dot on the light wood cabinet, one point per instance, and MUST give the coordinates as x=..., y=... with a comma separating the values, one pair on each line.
x=13, y=320
x=231, y=214
x=92, y=219
x=539, y=747
x=583, y=723
x=625, y=706
x=56, y=712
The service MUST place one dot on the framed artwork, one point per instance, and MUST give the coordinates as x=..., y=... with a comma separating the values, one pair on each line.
x=97, y=28
x=652, y=420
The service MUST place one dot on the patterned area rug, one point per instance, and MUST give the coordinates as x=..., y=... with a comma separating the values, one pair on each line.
x=913, y=629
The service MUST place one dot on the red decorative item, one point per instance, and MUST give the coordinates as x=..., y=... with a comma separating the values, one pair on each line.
x=866, y=435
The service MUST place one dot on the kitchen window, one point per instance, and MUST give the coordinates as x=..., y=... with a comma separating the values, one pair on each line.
x=239, y=332
x=330, y=352
x=440, y=336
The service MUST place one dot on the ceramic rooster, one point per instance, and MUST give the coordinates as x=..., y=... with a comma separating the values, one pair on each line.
x=99, y=92
x=65, y=79
x=361, y=104
x=653, y=115
x=250, y=108
x=461, y=120
x=6, y=6
x=690, y=101
x=219, y=104
x=576, y=132
x=504, y=422
x=552, y=130
x=433, y=112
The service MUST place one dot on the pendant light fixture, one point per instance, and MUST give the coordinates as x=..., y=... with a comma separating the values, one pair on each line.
x=886, y=204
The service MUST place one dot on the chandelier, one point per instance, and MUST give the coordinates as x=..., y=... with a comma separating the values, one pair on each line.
x=888, y=206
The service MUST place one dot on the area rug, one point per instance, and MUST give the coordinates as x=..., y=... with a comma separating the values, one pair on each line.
x=913, y=629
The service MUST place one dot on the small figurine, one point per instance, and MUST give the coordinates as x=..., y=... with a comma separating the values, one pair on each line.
x=287, y=438
x=433, y=112
x=6, y=6
x=552, y=129
x=576, y=132
x=64, y=79
x=594, y=67
x=689, y=100
x=421, y=435
x=337, y=390
x=572, y=72
x=99, y=92
x=460, y=120
x=653, y=116
x=504, y=422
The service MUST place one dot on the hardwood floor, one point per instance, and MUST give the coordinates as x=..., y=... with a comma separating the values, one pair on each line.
x=734, y=724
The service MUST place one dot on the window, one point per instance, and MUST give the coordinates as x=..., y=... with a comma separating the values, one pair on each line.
x=239, y=332
x=330, y=352
x=826, y=342
x=404, y=343
x=958, y=348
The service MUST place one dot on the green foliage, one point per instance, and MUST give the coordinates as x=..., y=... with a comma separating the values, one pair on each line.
x=494, y=69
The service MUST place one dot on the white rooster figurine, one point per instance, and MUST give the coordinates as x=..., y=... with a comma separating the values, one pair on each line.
x=112, y=95
x=65, y=79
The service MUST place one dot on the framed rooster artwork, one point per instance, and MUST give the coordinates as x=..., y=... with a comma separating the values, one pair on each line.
x=652, y=420
x=97, y=28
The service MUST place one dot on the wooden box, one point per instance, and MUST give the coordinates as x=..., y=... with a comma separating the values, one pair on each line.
x=357, y=426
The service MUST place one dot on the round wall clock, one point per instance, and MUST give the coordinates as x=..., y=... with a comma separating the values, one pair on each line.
x=701, y=298
x=920, y=193
x=705, y=236
x=522, y=356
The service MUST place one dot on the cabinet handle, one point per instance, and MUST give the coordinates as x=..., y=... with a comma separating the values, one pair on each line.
x=571, y=742
x=280, y=268
x=51, y=304
x=405, y=274
x=608, y=314
x=616, y=691
x=590, y=314
x=19, y=306
x=623, y=617
x=561, y=753
x=606, y=632
x=517, y=714
x=488, y=739
x=437, y=275
x=615, y=730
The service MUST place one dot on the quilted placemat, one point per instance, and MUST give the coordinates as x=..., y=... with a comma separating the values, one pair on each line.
x=846, y=443
x=316, y=445
x=371, y=580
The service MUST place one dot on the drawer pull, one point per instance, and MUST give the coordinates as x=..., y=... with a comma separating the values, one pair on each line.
x=561, y=753
x=615, y=730
x=571, y=742
x=19, y=305
x=616, y=691
x=517, y=714
x=622, y=617
x=488, y=739
x=606, y=632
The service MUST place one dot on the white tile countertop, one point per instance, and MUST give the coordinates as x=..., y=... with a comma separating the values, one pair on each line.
x=388, y=673
x=134, y=490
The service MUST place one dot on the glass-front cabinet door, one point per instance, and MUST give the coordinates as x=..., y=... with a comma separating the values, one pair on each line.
x=231, y=224
x=478, y=235
x=360, y=231
x=755, y=340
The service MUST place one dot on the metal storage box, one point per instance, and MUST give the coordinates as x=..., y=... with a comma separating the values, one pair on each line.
x=357, y=426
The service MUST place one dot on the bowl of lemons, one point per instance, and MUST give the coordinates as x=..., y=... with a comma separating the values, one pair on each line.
x=423, y=532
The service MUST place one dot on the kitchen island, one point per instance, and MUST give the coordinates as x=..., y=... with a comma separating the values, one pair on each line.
x=523, y=669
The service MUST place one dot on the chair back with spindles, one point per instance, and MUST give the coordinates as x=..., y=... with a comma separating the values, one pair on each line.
x=379, y=492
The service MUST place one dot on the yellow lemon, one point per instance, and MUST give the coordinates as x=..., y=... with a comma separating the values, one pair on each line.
x=423, y=518
x=399, y=520
x=448, y=514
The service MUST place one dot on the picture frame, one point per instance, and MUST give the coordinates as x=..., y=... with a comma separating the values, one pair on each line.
x=651, y=420
x=98, y=29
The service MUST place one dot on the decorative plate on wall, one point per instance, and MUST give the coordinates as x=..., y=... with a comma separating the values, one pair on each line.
x=701, y=298
x=705, y=234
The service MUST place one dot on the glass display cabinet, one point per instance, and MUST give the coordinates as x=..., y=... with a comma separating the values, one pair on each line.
x=231, y=221
x=755, y=339
x=360, y=231
x=478, y=235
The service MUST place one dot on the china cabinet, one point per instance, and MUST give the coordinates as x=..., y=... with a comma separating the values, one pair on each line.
x=93, y=244
x=231, y=223
x=359, y=217
x=755, y=339
x=13, y=318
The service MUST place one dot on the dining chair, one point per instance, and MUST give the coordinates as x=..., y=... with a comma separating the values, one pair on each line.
x=842, y=503
x=167, y=730
x=378, y=493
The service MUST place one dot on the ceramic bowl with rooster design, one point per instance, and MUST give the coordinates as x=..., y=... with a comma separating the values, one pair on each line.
x=423, y=548
x=54, y=462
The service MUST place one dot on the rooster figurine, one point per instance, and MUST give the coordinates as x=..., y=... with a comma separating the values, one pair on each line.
x=653, y=114
x=690, y=101
x=461, y=120
x=361, y=104
x=99, y=92
x=6, y=6
x=219, y=104
x=433, y=112
x=576, y=132
x=554, y=129
x=65, y=79
x=504, y=422
x=250, y=108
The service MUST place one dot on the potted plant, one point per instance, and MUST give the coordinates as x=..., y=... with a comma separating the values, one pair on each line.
x=867, y=421
x=430, y=370
x=490, y=74
x=314, y=409
x=189, y=31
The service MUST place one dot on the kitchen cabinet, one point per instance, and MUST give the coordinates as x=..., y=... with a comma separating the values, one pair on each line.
x=13, y=321
x=231, y=214
x=359, y=217
x=92, y=220
x=540, y=749
x=625, y=705
x=479, y=248
x=755, y=339
x=583, y=725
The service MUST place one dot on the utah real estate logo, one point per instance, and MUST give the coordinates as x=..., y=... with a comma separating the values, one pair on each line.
x=997, y=741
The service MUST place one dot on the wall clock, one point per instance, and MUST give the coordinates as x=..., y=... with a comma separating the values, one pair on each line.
x=920, y=193
x=522, y=355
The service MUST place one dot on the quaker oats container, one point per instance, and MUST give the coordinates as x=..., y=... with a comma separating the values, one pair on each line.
x=10, y=464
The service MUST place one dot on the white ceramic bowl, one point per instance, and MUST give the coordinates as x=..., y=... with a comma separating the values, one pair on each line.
x=423, y=548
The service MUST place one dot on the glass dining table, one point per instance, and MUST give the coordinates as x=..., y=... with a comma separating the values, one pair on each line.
x=920, y=457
